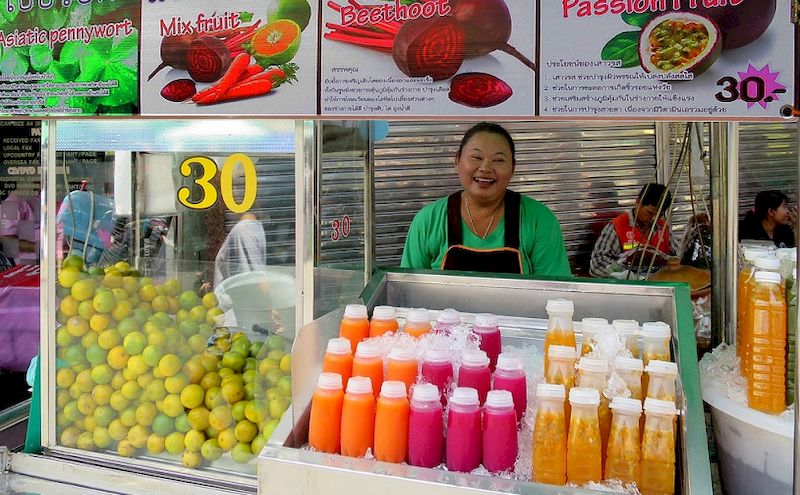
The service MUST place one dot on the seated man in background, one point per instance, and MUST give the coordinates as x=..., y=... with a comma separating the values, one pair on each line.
x=630, y=231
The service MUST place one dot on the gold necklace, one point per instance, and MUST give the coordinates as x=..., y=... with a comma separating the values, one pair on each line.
x=472, y=221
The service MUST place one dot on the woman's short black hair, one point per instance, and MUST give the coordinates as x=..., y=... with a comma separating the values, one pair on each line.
x=652, y=194
x=491, y=128
x=767, y=200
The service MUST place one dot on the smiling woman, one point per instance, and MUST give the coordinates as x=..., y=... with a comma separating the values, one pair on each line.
x=486, y=227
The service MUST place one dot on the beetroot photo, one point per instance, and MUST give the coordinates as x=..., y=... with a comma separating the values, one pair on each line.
x=479, y=90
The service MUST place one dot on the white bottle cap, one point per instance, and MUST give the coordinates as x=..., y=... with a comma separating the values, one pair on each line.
x=475, y=358
x=425, y=392
x=509, y=361
x=628, y=364
x=355, y=311
x=655, y=330
x=667, y=368
x=752, y=254
x=660, y=407
x=384, y=313
x=622, y=404
x=559, y=305
x=593, y=365
x=448, y=316
x=418, y=315
x=465, y=396
x=550, y=391
x=359, y=385
x=434, y=355
x=368, y=349
x=402, y=353
x=339, y=346
x=584, y=396
x=499, y=398
x=393, y=389
x=330, y=381
x=593, y=325
x=626, y=327
x=562, y=352
x=768, y=278
x=485, y=320
x=770, y=263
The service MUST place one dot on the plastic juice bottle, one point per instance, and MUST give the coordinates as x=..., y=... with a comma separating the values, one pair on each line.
x=418, y=322
x=485, y=327
x=437, y=369
x=499, y=432
x=401, y=365
x=474, y=373
x=791, y=359
x=562, y=371
x=624, y=450
x=584, y=450
x=509, y=375
x=762, y=264
x=391, y=423
x=593, y=373
x=589, y=328
x=368, y=362
x=766, y=391
x=325, y=423
x=463, y=449
x=630, y=370
x=384, y=320
x=425, y=428
x=661, y=380
x=550, y=436
x=355, y=325
x=745, y=275
x=559, y=325
x=656, y=336
x=358, y=417
x=446, y=320
x=338, y=358
x=629, y=330
x=658, y=448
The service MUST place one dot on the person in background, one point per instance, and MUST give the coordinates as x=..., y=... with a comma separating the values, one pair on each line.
x=630, y=230
x=244, y=249
x=486, y=227
x=771, y=219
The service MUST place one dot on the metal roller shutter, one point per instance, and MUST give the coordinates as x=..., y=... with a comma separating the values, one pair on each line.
x=768, y=159
x=682, y=194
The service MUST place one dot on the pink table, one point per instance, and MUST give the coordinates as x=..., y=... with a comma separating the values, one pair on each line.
x=19, y=316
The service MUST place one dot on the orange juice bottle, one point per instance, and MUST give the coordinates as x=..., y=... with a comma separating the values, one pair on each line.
x=355, y=325
x=338, y=358
x=369, y=362
x=562, y=371
x=661, y=377
x=656, y=337
x=584, y=451
x=418, y=322
x=763, y=263
x=384, y=320
x=325, y=423
x=593, y=373
x=401, y=365
x=358, y=417
x=550, y=436
x=767, y=387
x=629, y=330
x=623, y=453
x=560, y=330
x=743, y=296
x=589, y=328
x=630, y=370
x=391, y=423
x=658, y=448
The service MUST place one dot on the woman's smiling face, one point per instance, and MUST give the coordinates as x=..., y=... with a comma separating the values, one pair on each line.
x=485, y=166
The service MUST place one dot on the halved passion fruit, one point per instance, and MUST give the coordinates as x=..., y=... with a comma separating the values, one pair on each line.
x=741, y=22
x=679, y=41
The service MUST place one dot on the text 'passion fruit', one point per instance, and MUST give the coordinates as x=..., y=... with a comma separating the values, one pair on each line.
x=679, y=41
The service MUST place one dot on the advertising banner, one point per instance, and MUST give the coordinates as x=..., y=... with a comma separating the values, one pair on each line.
x=676, y=59
x=69, y=58
x=238, y=57
x=407, y=58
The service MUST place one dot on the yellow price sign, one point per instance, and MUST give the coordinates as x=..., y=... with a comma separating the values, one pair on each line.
x=208, y=191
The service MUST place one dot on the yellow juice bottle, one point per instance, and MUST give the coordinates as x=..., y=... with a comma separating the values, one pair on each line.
x=550, y=436
x=630, y=370
x=629, y=331
x=561, y=371
x=656, y=336
x=658, y=448
x=661, y=380
x=593, y=373
x=767, y=387
x=560, y=330
x=763, y=263
x=584, y=451
x=589, y=328
x=624, y=449
x=743, y=296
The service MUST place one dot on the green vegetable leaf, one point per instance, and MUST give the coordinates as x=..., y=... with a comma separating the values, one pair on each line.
x=88, y=106
x=623, y=47
x=72, y=52
x=51, y=18
x=126, y=51
x=101, y=46
x=100, y=9
x=41, y=57
x=10, y=16
x=126, y=92
x=13, y=63
x=81, y=15
x=91, y=68
x=638, y=20
x=63, y=72
x=245, y=16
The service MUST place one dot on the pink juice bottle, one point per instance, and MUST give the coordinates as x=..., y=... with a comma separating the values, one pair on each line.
x=499, y=432
x=425, y=435
x=463, y=450
x=446, y=320
x=475, y=373
x=437, y=369
x=510, y=376
x=486, y=328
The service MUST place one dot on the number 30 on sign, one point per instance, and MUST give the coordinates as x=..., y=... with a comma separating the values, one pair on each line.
x=209, y=195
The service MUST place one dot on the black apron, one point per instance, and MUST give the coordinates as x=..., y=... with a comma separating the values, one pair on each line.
x=500, y=260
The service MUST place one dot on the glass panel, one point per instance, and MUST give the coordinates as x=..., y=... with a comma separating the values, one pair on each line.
x=175, y=247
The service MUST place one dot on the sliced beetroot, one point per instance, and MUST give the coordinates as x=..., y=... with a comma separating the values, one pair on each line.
x=179, y=90
x=429, y=47
x=173, y=52
x=479, y=90
x=207, y=59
